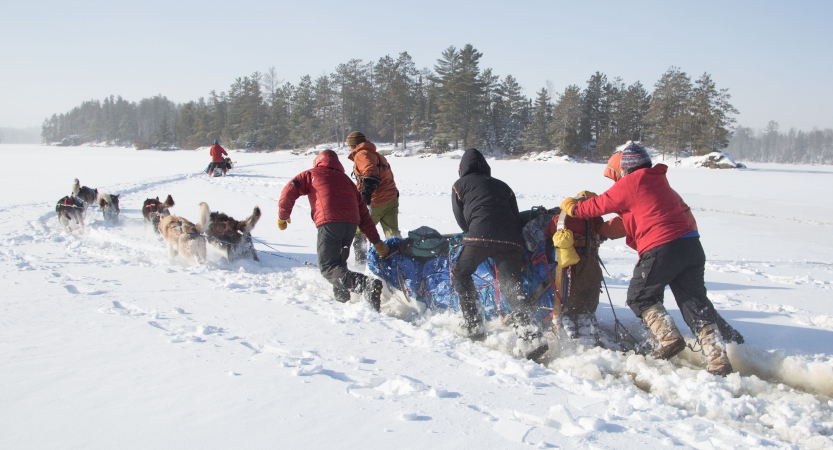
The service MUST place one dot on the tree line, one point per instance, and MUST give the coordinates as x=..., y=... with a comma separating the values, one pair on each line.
x=455, y=104
x=791, y=147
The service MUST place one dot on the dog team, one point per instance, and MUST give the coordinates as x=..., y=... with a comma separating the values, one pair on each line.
x=181, y=236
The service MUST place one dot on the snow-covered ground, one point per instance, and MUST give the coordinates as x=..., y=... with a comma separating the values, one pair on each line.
x=106, y=343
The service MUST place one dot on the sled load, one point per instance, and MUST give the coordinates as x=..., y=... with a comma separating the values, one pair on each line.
x=421, y=267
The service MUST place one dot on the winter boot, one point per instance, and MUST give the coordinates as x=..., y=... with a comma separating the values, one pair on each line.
x=472, y=325
x=360, y=249
x=715, y=350
x=341, y=295
x=582, y=327
x=531, y=343
x=373, y=293
x=728, y=332
x=570, y=326
x=670, y=341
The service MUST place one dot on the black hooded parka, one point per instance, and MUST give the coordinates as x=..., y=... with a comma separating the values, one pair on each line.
x=484, y=207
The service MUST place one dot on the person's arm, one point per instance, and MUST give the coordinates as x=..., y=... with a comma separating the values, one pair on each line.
x=296, y=187
x=366, y=222
x=457, y=207
x=513, y=204
x=613, y=200
x=612, y=229
x=369, y=175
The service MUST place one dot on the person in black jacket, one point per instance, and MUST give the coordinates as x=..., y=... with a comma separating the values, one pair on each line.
x=486, y=210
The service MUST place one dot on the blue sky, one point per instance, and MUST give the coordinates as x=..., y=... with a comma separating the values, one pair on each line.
x=775, y=57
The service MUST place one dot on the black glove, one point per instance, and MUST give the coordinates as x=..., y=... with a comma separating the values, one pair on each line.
x=369, y=185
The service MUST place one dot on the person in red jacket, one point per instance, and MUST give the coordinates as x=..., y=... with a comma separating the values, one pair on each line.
x=337, y=209
x=670, y=253
x=217, y=153
x=615, y=229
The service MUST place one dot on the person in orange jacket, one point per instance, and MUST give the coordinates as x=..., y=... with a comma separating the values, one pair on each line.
x=374, y=180
x=217, y=153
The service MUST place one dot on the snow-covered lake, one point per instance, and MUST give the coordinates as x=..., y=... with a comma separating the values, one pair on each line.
x=107, y=343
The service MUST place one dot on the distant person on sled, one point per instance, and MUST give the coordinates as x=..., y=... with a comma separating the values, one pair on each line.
x=670, y=253
x=486, y=210
x=374, y=179
x=338, y=210
x=217, y=158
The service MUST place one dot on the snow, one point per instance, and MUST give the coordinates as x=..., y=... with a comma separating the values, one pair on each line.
x=105, y=342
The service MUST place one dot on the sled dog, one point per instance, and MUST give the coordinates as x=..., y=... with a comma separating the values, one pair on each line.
x=233, y=236
x=88, y=195
x=109, y=204
x=184, y=237
x=71, y=209
x=153, y=211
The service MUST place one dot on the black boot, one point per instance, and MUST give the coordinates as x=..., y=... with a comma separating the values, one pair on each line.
x=360, y=249
x=341, y=295
x=472, y=325
x=531, y=343
x=373, y=293
x=361, y=284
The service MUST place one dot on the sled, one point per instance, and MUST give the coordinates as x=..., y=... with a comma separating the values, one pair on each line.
x=429, y=280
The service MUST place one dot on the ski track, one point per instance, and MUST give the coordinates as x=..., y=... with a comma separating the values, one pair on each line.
x=608, y=391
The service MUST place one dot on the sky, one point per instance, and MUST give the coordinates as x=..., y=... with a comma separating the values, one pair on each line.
x=774, y=57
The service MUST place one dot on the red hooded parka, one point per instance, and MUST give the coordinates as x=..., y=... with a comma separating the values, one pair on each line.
x=332, y=195
x=651, y=211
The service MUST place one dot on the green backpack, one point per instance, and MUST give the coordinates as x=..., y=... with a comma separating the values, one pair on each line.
x=427, y=242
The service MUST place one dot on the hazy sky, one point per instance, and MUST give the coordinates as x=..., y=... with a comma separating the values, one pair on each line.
x=775, y=57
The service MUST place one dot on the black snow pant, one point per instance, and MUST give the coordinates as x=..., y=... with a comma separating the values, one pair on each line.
x=508, y=261
x=682, y=264
x=333, y=247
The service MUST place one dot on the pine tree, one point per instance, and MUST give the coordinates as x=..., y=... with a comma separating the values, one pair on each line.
x=537, y=134
x=669, y=116
x=711, y=123
x=566, y=121
x=460, y=93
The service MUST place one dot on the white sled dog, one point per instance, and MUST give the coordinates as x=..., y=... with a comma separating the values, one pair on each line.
x=186, y=238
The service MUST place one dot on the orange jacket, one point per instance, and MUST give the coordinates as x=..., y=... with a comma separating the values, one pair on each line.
x=369, y=163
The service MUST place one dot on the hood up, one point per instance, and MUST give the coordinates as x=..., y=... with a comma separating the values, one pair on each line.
x=328, y=159
x=474, y=162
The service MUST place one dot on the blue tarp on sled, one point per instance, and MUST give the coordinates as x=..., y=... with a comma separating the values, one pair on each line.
x=430, y=280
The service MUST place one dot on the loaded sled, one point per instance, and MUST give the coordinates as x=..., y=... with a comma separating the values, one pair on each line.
x=421, y=267
x=219, y=168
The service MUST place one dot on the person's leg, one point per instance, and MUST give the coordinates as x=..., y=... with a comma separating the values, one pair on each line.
x=579, y=312
x=689, y=286
x=389, y=218
x=470, y=257
x=655, y=269
x=333, y=248
x=531, y=344
x=689, y=290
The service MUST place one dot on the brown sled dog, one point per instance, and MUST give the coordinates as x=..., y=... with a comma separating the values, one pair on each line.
x=233, y=237
x=186, y=238
x=153, y=211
